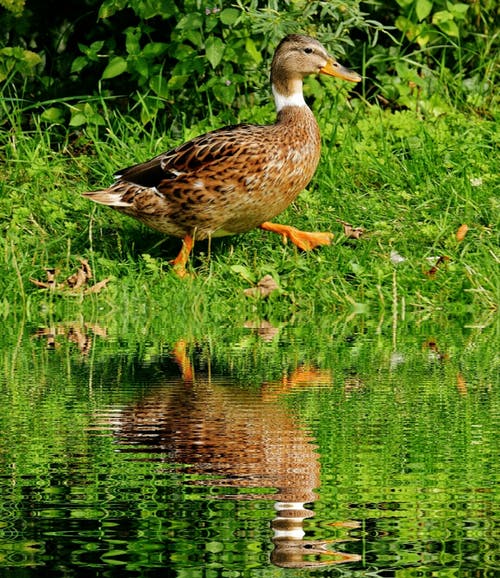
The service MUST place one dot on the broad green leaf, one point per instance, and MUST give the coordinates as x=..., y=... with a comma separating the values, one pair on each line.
x=142, y=66
x=79, y=64
x=54, y=115
x=150, y=9
x=190, y=21
x=426, y=34
x=224, y=92
x=214, y=50
x=183, y=51
x=458, y=10
x=96, y=46
x=193, y=36
x=18, y=60
x=132, y=38
x=411, y=29
x=408, y=74
x=423, y=8
x=444, y=20
x=229, y=16
x=14, y=6
x=402, y=23
x=211, y=23
x=78, y=119
x=109, y=7
x=154, y=49
x=32, y=59
x=450, y=27
x=177, y=81
x=252, y=51
x=159, y=86
x=245, y=272
x=441, y=16
x=116, y=66
x=96, y=119
x=92, y=51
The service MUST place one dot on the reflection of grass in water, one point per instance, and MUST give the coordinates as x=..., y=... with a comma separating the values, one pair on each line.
x=403, y=450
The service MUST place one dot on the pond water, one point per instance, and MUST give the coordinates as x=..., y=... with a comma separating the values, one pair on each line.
x=261, y=451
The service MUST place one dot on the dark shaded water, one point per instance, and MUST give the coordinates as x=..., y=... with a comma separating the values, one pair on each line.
x=260, y=453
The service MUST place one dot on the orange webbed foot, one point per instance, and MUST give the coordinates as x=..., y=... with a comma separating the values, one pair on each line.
x=303, y=239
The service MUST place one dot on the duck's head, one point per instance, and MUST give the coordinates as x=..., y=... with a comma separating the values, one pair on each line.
x=296, y=57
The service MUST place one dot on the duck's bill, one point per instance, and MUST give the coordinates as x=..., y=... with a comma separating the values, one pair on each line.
x=333, y=68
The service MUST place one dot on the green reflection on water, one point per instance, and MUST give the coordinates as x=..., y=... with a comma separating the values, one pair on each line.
x=268, y=450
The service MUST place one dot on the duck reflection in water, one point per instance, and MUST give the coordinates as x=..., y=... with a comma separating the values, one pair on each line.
x=245, y=438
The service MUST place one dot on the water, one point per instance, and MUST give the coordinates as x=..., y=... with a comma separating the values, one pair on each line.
x=249, y=453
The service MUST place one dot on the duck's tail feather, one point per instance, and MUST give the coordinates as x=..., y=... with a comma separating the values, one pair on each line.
x=107, y=197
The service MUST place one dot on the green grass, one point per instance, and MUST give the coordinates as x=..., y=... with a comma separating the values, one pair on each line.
x=409, y=179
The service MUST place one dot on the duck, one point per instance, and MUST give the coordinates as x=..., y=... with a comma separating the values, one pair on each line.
x=237, y=178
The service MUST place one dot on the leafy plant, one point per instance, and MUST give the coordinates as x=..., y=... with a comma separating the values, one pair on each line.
x=424, y=21
x=447, y=46
x=155, y=55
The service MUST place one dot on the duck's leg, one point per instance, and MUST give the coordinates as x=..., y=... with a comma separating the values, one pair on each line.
x=303, y=239
x=179, y=263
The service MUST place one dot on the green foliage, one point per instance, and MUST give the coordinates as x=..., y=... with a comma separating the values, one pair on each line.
x=426, y=21
x=163, y=54
x=17, y=60
x=158, y=57
x=455, y=45
x=14, y=6
x=209, y=51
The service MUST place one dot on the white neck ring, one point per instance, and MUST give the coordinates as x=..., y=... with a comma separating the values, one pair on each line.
x=294, y=99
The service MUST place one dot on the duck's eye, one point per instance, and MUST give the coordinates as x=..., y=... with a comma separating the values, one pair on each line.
x=308, y=50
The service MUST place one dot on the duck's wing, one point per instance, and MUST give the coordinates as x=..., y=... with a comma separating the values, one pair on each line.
x=219, y=146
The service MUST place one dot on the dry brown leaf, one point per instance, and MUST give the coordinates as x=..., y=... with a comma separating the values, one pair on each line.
x=264, y=287
x=51, y=276
x=81, y=277
x=433, y=270
x=98, y=287
x=75, y=283
x=51, y=280
x=461, y=232
x=345, y=524
x=180, y=353
x=302, y=376
x=351, y=232
x=76, y=280
x=41, y=284
x=50, y=334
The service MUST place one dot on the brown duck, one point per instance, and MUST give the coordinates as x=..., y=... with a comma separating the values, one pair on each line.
x=236, y=178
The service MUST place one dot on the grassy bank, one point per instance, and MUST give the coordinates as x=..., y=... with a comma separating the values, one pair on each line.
x=409, y=179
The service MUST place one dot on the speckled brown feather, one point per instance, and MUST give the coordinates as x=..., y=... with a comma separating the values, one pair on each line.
x=235, y=178
x=225, y=182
